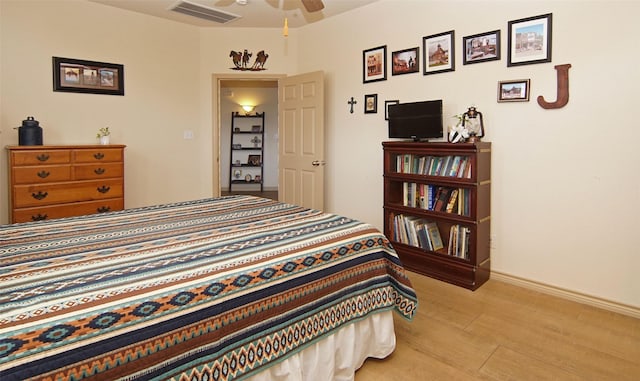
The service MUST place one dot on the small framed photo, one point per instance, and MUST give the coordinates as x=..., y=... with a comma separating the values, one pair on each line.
x=386, y=107
x=374, y=64
x=529, y=40
x=80, y=76
x=481, y=47
x=256, y=128
x=514, y=91
x=371, y=103
x=405, y=61
x=254, y=160
x=438, y=53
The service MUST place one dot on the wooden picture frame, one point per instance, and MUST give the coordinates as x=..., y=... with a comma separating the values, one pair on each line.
x=438, y=51
x=530, y=40
x=481, y=47
x=254, y=160
x=371, y=103
x=374, y=64
x=386, y=107
x=405, y=61
x=81, y=76
x=517, y=90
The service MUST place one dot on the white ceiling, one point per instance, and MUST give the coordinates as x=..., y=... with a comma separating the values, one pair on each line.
x=255, y=14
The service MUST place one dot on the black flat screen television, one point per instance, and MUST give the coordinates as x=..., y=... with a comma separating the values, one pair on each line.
x=416, y=120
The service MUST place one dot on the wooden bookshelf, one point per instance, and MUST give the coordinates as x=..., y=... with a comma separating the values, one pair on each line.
x=440, y=192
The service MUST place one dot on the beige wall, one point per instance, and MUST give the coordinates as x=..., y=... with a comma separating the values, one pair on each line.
x=566, y=194
x=565, y=188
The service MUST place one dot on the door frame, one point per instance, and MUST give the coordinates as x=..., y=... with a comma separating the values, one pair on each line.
x=216, y=122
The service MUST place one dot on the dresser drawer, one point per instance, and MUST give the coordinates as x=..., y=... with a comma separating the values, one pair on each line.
x=97, y=171
x=67, y=210
x=97, y=155
x=56, y=193
x=40, y=157
x=41, y=174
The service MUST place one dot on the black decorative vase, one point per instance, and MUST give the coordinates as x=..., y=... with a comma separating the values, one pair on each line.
x=30, y=133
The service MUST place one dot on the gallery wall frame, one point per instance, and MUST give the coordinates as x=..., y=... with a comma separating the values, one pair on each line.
x=438, y=53
x=388, y=103
x=529, y=40
x=82, y=76
x=405, y=61
x=516, y=90
x=371, y=103
x=374, y=64
x=481, y=47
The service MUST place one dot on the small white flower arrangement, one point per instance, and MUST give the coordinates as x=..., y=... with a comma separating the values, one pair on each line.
x=103, y=134
x=104, y=131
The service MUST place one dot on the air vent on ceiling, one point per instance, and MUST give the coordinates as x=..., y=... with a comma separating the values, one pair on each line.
x=204, y=12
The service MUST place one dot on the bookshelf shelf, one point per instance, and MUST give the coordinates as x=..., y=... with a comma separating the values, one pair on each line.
x=437, y=208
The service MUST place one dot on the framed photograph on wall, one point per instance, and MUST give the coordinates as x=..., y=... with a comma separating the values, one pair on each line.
x=371, y=103
x=481, y=47
x=80, y=76
x=438, y=53
x=405, y=61
x=386, y=107
x=529, y=40
x=514, y=91
x=374, y=64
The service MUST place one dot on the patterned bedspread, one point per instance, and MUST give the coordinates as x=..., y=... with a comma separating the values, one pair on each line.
x=210, y=289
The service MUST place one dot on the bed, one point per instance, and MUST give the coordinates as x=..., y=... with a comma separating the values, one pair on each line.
x=230, y=288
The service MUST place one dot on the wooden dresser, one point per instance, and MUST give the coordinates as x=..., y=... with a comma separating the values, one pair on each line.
x=62, y=181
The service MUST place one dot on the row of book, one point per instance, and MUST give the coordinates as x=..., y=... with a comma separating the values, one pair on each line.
x=425, y=234
x=418, y=232
x=449, y=166
x=437, y=198
x=459, y=241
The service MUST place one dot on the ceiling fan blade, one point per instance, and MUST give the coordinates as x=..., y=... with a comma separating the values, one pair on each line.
x=313, y=5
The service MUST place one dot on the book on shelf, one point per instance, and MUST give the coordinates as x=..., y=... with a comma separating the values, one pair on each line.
x=433, y=233
x=453, y=198
x=459, y=241
x=442, y=196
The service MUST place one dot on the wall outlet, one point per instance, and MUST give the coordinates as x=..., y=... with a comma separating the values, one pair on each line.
x=187, y=135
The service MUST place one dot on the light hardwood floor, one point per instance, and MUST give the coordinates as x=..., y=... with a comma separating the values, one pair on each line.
x=504, y=332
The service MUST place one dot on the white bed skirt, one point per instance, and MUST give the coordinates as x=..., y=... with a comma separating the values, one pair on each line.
x=337, y=357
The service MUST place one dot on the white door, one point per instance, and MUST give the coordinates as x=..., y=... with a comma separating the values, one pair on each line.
x=301, y=140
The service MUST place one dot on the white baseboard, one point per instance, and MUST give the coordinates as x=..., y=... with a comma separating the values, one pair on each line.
x=568, y=294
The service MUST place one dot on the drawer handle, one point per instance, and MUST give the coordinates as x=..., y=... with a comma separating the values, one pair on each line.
x=39, y=195
x=42, y=157
x=43, y=174
x=39, y=217
x=98, y=156
x=103, y=189
x=99, y=171
x=103, y=209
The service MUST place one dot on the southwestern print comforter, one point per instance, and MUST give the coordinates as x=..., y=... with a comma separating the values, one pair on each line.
x=213, y=289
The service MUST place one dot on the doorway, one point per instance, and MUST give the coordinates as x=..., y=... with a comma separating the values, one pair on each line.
x=231, y=92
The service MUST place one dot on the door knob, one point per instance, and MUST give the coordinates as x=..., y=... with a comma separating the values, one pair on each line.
x=317, y=163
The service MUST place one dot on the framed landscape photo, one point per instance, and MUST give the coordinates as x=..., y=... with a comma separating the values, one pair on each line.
x=405, y=61
x=374, y=64
x=529, y=40
x=386, y=107
x=514, y=91
x=481, y=47
x=439, y=53
x=371, y=103
x=80, y=76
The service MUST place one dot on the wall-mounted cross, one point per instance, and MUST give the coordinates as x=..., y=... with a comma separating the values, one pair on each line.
x=352, y=102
